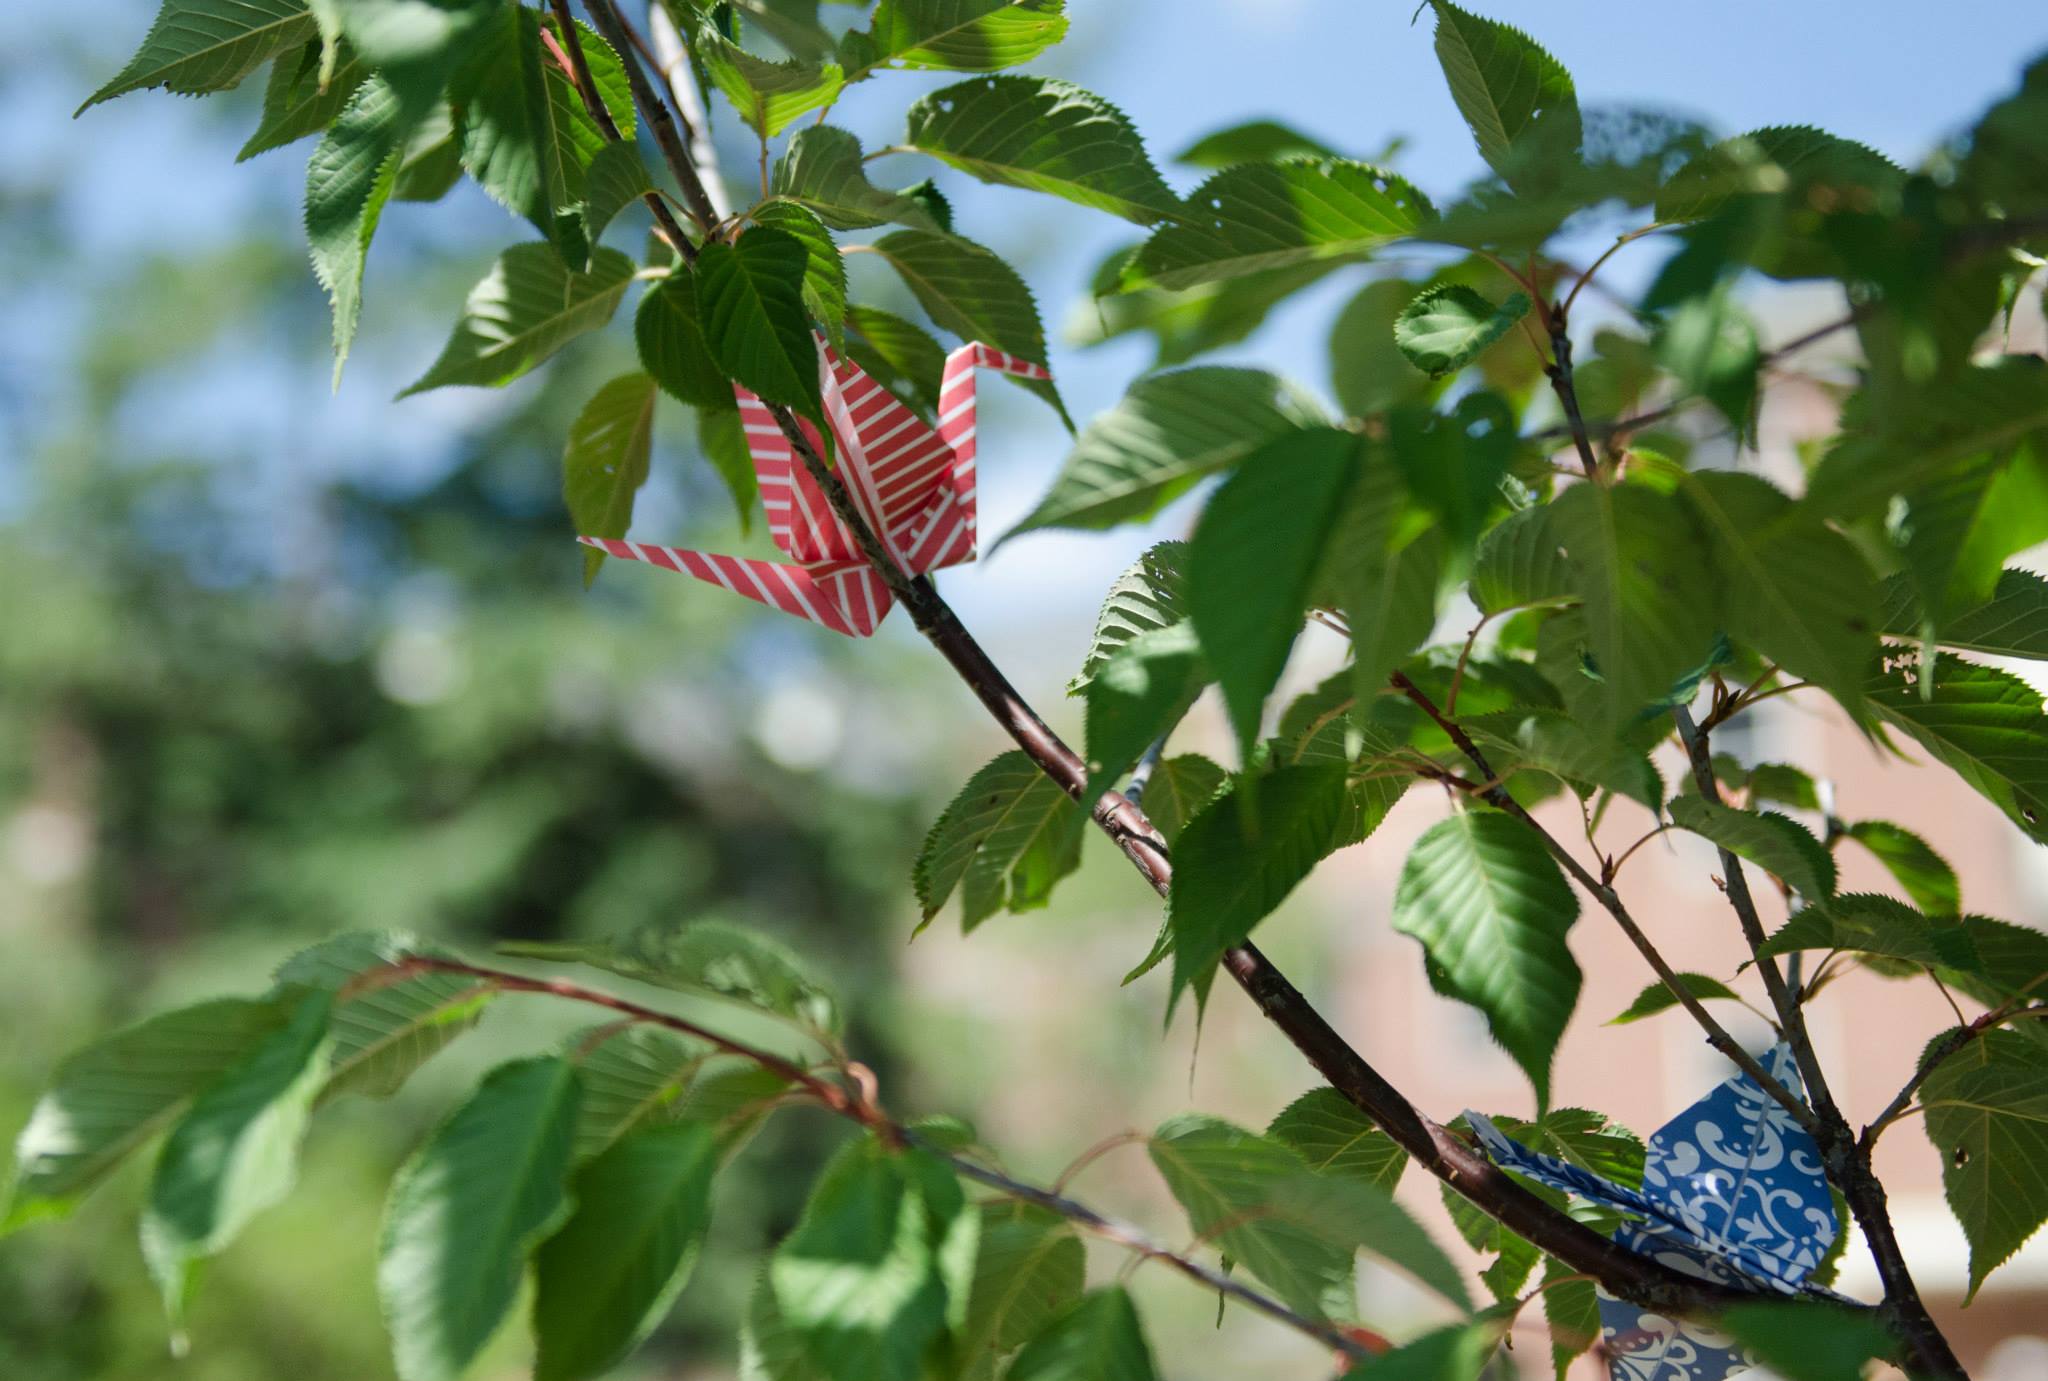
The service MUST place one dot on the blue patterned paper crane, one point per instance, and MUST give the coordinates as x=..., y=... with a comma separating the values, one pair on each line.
x=1732, y=1192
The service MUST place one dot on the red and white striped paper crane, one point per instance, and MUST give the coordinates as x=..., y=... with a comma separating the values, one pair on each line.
x=914, y=485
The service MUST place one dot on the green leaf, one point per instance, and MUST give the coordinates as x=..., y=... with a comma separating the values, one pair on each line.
x=668, y=328
x=1237, y=861
x=1891, y=444
x=110, y=1098
x=880, y=1264
x=1810, y=1342
x=1985, y=725
x=1775, y=781
x=750, y=296
x=1029, y=1268
x=510, y=132
x=1097, y=1339
x=2008, y=159
x=1252, y=141
x=1553, y=742
x=1788, y=161
x=1004, y=841
x=1179, y=788
x=1254, y=559
x=1491, y=911
x=1779, y=845
x=732, y=961
x=1270, y=215
x=1455, y=1352
x=1516, y=98
x=633, y=1078
x=1571, y=1309
x=1521, y=563
x=615, y=179
x=608, y=1276
x=899, y=355
x=1643, y=575
x=430, y=162
x=2012, y=623
x=527, y=307
x=1870, y=924
x=1335, y=1138
x=467, y=1208
x=1369, y=373
x=822, y=169
x=1581, y=1137
x=959, y=35
x=198, y=46
x=1792, y=588
x=824, y=273
x=348, y=180
x=1987, y=1115
x=1709, y=347
x=1913, y=863
x=1045, y=135
x=767, y=95
x=605, y=463
x=1150, y=595
x=1137, y=698
x=1169, y=431
x=298, y=101
x=1386, y=571
x=971, y=292
x=386, y=1022
x=723, y=440
x=1453, y=462
x=1445, y=328
x=234, y=1153
x=1292, y=1228
x=1658, y=997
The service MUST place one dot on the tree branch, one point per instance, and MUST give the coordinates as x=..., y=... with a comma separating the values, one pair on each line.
x=1610, y=901
x=654, y=110
x=1847, y=1161
x=1559, y=371
x=867, y=1113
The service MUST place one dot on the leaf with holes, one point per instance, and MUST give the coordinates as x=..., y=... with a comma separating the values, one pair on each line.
x=1985, y=725
x=527, y=307
x=1987, y=1115
x=1778, y=844
x=1491, y=911
x=1169, y=431
x=1045, y=135
x=1272, y=215
x=1004, y=841
x=1517, y=99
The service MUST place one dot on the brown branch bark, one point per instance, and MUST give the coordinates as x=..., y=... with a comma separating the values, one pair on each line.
x=604, y=15
x=1847, y=1160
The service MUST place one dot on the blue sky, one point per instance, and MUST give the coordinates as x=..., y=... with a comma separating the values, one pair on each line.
x=152, y=173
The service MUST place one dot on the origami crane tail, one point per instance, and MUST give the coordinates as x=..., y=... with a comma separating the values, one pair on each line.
x=846, y=597
x=947, y=534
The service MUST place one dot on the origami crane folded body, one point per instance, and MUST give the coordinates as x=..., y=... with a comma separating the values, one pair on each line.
x=1733, y=1192
x=914, y=485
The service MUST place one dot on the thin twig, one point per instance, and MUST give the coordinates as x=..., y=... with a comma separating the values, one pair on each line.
x=571, y=44
x=654, y=110
x=866, y=1110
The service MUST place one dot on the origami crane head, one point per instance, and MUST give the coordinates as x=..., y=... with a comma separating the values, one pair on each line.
x=913, y=484
x=1733, y=1192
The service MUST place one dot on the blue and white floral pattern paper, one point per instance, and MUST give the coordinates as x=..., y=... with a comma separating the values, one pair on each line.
x=1733, y=1191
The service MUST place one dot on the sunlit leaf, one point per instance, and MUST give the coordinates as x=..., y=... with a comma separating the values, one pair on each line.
x=527, y=307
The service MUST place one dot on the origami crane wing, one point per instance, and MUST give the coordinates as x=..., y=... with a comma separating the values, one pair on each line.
x=913, y=483
x=1733, y=1191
